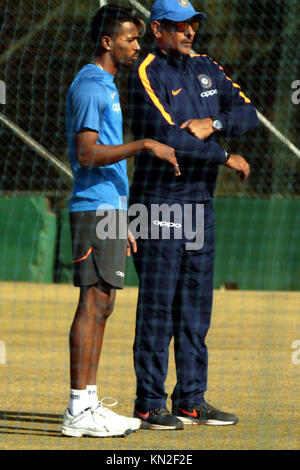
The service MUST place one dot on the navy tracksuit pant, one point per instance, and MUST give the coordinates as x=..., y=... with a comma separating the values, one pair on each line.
x=175, y=300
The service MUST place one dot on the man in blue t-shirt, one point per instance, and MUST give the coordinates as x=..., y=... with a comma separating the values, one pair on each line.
x=98, y=201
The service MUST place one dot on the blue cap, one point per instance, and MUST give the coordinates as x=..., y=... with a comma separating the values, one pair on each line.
x=174, y=10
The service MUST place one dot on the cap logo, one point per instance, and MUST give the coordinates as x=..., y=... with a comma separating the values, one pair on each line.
x=205, y=81
x=183, y=3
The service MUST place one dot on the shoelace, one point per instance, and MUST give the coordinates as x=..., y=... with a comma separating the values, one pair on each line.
x=103, y=408
x=206, y=406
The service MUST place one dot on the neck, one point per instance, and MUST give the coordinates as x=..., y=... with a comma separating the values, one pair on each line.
x=105, y=62
x=174, y=55
x=170, y=53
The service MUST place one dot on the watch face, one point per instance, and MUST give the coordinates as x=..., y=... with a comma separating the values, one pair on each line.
x=217, y=125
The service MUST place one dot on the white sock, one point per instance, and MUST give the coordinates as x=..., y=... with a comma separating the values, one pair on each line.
x=92, y=395
x=78, y=401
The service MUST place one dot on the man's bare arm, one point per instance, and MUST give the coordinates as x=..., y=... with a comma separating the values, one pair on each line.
x=90, y=154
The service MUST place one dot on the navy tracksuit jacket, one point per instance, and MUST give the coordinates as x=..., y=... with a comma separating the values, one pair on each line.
x=176, y=284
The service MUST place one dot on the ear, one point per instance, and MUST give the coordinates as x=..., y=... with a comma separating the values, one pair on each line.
x=156, y=29
x=106, y=42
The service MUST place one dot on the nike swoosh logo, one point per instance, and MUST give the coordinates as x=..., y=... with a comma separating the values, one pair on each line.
x=175, y=93
x=193, y=415
x=113, y=95
x=144, y=416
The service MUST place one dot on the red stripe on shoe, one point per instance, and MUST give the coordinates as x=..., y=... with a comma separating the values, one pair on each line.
x=193, y=414
x=143, y=416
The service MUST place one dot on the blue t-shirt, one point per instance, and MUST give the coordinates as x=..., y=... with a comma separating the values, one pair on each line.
x=93, y=102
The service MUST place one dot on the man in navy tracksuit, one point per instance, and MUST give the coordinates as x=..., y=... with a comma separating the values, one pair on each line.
x=184, y=100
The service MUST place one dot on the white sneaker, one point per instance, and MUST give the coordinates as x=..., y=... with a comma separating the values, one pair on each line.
x=89, y=423
x=103, y=411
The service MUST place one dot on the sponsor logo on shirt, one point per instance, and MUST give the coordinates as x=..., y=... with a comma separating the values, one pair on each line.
x=206, y=94
x=116, y=108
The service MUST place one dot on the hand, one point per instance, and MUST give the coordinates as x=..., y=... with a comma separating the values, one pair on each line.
x=236, y=162
x=131, y=244
x=164, y=152
x=200, y=128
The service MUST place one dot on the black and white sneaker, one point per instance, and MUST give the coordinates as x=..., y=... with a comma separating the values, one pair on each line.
x=158, y=418
x=204, y=414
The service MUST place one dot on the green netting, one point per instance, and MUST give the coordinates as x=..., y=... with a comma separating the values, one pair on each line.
x=44, y=43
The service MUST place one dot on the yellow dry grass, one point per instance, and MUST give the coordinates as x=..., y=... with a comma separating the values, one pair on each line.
x=252, y=371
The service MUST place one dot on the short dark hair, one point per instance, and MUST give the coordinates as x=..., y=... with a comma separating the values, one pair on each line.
x=108, y=19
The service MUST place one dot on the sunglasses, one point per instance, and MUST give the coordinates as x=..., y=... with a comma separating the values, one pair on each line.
x=182, y=26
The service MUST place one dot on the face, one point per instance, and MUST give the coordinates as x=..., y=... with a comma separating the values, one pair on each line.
x=125, y=46
x=172, y=42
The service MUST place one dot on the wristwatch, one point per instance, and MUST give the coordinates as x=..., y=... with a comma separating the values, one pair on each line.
x=217, y=125
x=227, y=155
